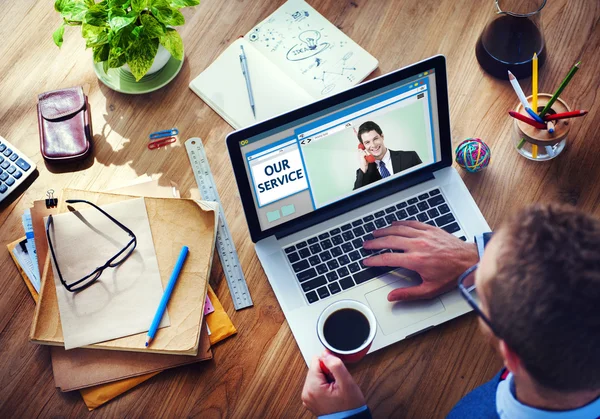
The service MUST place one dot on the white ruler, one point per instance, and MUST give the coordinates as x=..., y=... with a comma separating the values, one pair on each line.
x=227, y=253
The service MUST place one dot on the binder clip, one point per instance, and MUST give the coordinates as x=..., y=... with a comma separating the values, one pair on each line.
x=51, y=201
x=164, y=134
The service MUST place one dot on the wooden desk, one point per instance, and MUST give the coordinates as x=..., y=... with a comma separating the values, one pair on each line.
x=260, y=372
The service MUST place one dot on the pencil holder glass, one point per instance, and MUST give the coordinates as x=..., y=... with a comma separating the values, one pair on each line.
x=539, y=144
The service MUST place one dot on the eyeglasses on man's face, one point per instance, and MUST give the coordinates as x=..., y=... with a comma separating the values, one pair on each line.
x=117, y=259
x=466, y=285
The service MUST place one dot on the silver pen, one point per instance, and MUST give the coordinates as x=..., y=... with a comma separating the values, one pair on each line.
x=244, y=64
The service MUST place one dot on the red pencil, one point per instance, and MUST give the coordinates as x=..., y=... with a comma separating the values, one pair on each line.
x=527, y=120
x=572, y=114
x=326, y=372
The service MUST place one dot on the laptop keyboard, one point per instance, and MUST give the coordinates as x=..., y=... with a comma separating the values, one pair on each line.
x=331, y=262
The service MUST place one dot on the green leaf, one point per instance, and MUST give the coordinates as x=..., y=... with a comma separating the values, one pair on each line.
x=163, y=12
x=152, y=27
x=178, y=4
x=118, y=19
x=97, y=15
x=136, y=31
x=121, y=38
x=58, y=35
x=140, y=56
x=117, y=4
x=94, y=36
x=89, y=3
x=105, y=66
x=60, y=5
x=72, y=10
x=101, y=53
x=173, y=43
x=138, y=5
x=116, y=57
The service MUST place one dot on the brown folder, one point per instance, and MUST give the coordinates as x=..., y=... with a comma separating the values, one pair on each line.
x=80, y=368
x=174, y=223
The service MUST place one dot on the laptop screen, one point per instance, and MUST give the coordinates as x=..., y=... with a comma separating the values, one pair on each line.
x=343, y=150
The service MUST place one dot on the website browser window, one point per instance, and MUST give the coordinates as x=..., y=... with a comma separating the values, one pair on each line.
x=335, y=154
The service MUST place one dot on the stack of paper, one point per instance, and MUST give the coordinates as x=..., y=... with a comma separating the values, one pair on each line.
x=103, y=375
x=124, y=300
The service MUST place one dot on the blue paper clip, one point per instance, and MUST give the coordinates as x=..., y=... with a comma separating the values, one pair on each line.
x=163, y=134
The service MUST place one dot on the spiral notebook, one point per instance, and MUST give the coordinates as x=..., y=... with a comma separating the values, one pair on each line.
x=294, y=57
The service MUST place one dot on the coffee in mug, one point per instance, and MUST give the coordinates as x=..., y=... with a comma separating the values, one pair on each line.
x=347, y=329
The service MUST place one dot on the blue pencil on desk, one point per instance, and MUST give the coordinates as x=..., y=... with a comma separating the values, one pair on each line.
x=167, y=294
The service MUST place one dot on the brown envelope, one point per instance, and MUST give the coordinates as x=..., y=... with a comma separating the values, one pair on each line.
x=86, y=368
x=80, y=368
x=173, y=222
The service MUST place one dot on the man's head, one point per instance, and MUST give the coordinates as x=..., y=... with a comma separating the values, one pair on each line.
x=539, y=284
x=371, y=136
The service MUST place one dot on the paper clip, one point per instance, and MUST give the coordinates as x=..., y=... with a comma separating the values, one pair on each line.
x=51, y=201
x=161, y=142
x=163, y=134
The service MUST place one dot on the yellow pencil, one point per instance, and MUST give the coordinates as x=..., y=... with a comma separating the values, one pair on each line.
x=534, y=84
x=534, y=96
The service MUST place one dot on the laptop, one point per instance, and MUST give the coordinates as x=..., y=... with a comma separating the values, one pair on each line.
x=311, y=195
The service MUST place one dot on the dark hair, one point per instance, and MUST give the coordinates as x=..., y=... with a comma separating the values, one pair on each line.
x=545, y=298
x=367, y=127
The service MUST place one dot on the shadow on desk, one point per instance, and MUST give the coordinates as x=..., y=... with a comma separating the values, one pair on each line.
x=134, y=117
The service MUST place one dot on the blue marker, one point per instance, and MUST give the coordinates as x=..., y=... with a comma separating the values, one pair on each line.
x=165, y=298
x=535, y=116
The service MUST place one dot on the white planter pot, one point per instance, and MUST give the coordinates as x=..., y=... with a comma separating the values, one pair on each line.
x=162, y=58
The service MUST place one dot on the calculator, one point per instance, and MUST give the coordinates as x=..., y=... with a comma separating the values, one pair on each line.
x=15, y=167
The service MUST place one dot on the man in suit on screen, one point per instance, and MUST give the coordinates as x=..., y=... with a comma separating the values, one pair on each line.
x=387, y=162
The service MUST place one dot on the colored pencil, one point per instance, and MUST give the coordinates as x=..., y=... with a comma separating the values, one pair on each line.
x=534, y=151
x=517, y=87
x=560, y=89
x=551, y=127
x=534, y=83
x=527, y=120
x=564, y=115
x=534, y=115
x=521, y=144
x=328, y=375
x=167, y=294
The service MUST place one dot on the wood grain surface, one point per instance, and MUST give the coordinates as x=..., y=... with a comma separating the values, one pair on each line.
x=260, y=372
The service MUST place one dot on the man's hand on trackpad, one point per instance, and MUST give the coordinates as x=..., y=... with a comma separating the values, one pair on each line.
x=439, y=257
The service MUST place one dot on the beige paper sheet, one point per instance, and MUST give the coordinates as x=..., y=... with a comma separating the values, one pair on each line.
x=123, y=301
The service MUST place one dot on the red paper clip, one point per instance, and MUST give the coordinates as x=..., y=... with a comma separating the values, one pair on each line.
x=161, y=143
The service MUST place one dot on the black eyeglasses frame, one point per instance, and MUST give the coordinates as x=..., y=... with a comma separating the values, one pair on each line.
x=466, y=294
x=96, y=273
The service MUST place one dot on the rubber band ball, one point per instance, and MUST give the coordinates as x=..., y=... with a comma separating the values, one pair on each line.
x=473, y=155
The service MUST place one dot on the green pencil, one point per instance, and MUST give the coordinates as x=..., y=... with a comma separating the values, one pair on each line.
x=560, y=89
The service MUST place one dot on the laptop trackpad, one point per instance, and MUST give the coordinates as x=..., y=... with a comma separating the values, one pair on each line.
x=392, y=317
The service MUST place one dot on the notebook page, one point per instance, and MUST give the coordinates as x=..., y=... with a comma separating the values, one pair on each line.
x=311, y=50
x=223, y=87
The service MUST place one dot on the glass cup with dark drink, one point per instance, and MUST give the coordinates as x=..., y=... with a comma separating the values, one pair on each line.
x=347, y=329
x=511, y=37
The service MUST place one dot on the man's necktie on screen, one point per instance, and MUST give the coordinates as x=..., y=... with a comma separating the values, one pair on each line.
x=383, y=170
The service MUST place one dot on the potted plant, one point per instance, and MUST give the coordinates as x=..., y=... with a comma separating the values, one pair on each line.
x=125, y=31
